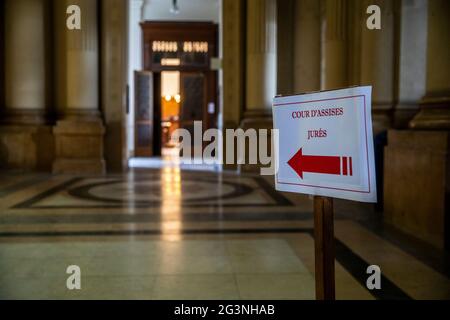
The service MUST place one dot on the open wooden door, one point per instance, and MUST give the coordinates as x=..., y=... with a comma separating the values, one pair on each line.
x=147, y=127
x=193, y=100
x=198, y=100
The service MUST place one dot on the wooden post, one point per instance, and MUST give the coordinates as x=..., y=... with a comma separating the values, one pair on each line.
x=324, y=247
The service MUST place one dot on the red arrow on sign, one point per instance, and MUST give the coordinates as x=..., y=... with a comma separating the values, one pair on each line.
x=320, y=164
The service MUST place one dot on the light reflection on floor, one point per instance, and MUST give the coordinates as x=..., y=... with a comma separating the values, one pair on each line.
x=171, y=224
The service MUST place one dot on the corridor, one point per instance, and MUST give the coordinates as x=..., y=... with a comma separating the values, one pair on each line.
x=171, y=234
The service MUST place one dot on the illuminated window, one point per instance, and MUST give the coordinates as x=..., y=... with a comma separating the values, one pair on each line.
x=189, y=46
x=165, y=46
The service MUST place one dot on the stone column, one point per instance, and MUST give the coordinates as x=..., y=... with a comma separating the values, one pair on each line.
x=114, y=81
x=79, y=52
x=261, y=77
x=335, y=44
x=25, y=137
x=25, y=61
x=261, y=67
x=411, y=59
x=435, y=106
x=79, y=132
x=285, y=46
x=233, y=35
x=377, y=63
x=233, y=61
x=307, y=52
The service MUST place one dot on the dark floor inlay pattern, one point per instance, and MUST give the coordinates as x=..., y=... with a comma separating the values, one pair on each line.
x=22, y=184
x=103, y=218
x=30, y=202
x=85, y=192
x=147, y=193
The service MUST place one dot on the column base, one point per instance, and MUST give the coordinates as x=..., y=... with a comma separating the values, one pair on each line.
x=381, y=120
x=26, y=147
x=256, y=119
x=79, y=147
x=225, y=166
x=417, y=184
x=34, y=117
x=434, y=114
x=403, y=114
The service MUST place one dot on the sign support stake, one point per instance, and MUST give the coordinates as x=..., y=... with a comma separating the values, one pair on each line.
x=324, y=247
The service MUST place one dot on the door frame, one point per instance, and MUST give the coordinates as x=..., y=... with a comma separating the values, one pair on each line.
x=182, y=31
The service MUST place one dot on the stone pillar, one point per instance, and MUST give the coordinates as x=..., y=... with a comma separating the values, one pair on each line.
x=417, y=172
x=335, y=44
x=285, y=46
x=233, y=35
x=411, y=59
x=26, y=78
x=372, y=62
x=79, y=132
x=261, y=67
x=233, y=61
x=261, y=77
x=307, y=34
x=114, y=82
x=25, y=139
x=435, y=106
x=377, y=63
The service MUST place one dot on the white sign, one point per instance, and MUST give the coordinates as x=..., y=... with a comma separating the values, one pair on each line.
x=325, y=144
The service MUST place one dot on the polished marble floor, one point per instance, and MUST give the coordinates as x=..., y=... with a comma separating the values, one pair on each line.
x=172, y=234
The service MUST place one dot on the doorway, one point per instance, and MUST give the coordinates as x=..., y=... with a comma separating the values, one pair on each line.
x=170, y=111
x=178, y=86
